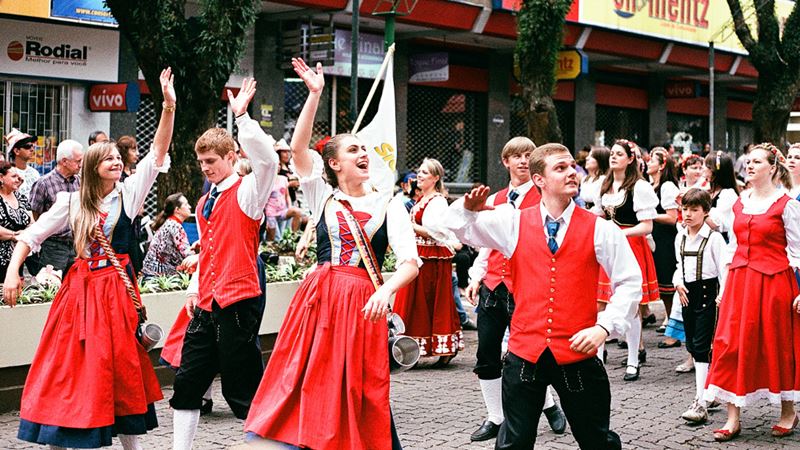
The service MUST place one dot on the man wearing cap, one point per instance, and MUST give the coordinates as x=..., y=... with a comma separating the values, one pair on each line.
x=20, y=151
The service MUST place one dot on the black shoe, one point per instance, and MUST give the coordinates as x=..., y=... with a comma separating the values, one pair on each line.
x=622, y=344
x=556, y=419
x=487, y=431
x=631, y=376
x=664, y=344
x=205, y=408
x=661, y=330
x=642, y=356
x=649, y=320
x=468, y=325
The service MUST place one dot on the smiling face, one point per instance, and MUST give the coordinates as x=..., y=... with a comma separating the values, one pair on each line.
x=110, y=166
x=758, y=170
x=426, y=179
x=693, y=172
x=351, y=161
x=560, y=179
x=517, y=166
x=215, y=167
x=12, y=180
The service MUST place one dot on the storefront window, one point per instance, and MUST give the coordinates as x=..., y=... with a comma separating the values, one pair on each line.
x=740, y=133
x=39, y=109
x=687, y=133
x=619, y=123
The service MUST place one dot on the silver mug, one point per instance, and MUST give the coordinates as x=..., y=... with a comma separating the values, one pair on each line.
x=404, y=351
x=149, y=335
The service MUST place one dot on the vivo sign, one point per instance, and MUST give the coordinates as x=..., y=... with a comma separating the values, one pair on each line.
x=114, y=97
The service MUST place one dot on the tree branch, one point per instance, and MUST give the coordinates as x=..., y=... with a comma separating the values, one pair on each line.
x=789, y=47
x=741, y=27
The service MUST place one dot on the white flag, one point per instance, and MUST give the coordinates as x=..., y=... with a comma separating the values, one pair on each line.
x=380, y=136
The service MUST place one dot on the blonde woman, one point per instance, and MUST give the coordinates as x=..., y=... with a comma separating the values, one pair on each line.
x=90, y=378
x=427, y=305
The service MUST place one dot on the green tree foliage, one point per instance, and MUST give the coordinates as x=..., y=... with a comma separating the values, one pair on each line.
x=776, y=56
x=203, y=49
x=540, y=31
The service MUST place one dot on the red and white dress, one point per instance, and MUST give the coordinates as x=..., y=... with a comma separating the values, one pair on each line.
x=627, y=209
x=426, y=305
x=757, y=343
x=326, y=385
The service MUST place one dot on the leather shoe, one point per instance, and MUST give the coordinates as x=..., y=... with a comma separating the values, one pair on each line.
x=631, y=376
x=469, y=325
x=665, y=344
x=556, y=419
x=649, y=320
x=487, y=431
x=205, y=407
x=779, y=431
x=725, y=435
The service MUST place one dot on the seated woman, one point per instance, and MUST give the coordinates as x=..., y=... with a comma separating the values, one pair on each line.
x=279, y=207
x=170, y=245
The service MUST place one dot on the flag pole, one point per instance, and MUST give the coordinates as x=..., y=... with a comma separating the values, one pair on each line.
x=381, y=72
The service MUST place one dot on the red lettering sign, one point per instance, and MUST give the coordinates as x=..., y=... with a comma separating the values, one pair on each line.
x=108, y=97
x=680, y=89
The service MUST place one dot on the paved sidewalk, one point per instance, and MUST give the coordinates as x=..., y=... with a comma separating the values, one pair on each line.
x=439, y=408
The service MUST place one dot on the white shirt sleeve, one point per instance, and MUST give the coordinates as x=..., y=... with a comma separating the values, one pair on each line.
x=50, y=222
x=677, y=277
x=432, y=217
x=722, y=214
x=136, y=187
x=645, y=200
x=669, y=196
x=480, y=266
x=716, y=245
x=401, y=234
x=315, y=189
x=255, y=188
x=614, y=254
x=497, y=228
x=791, y=222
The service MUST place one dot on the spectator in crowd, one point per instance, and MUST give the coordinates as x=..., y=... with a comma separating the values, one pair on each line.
x=130, y=155
x=279, y=207
x=739, y=167
x=285, y=156
x=97, y=136
x=14, y=214
x=580, y=160
x=20, y=151
x=58, y=250
x=170, y=245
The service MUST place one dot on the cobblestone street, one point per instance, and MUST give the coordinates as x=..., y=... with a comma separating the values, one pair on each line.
x=439, y=408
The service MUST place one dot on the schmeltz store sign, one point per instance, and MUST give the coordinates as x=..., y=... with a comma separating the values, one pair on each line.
x=58, y=51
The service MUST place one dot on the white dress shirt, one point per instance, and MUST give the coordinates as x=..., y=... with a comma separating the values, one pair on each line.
x=722, y=214
x=499, y=229
x=713, y=256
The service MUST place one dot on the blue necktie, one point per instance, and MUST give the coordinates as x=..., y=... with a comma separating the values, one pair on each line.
x=512, y=196
x=552, y=230
x=209, y=205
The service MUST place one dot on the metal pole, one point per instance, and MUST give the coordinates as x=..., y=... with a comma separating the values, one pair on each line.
x=388, y=35
x=711, y=95
x=354, y=63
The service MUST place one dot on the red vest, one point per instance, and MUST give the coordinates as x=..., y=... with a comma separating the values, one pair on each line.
x=498, y=270
x=229, y=239
x=556, y=293
x=761, y=239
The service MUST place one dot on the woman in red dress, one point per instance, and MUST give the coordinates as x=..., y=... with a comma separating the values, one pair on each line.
x=326, y=385
x=630, y=202
x=757, y=343
x=427, y=306
x=90, y=378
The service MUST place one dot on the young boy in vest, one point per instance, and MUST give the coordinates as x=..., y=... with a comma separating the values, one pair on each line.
x=490, y=280
x=555, y=330
x=698, y=279
x=223, y=299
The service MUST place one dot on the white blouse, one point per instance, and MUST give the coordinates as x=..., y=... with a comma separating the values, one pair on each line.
x=133, y=190
x=590, y=190
x=791, y=222
x=398, y=226
x=645, y=201
x=722, y=214
x=669, y=195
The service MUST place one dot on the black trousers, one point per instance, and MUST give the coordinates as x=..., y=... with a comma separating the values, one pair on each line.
x=495, y=309
x=700, y=318
x=223, y=341
x=582, y=388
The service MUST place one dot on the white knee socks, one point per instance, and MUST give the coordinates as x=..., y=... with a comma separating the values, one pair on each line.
x=700, y=375
x=492, y=391
x=634, y=336
x=549, y=402
x=184, y=425
x=130, y=442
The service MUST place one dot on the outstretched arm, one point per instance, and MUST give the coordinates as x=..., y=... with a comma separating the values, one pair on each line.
x=315, y=81
x=163, y=137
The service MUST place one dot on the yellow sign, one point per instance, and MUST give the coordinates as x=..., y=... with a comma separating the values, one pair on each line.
x=690, y=21
x=29, y=8
x=570, y=64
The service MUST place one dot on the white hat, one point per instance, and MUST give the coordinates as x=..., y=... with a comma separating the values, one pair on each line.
x=17, y=138
x=281, y=145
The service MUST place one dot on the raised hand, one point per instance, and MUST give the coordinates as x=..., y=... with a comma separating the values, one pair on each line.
x=242, y=99
x=314, y=81
x=475, y=200
x=167, y=89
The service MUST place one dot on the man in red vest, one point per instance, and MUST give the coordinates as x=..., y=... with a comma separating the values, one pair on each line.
x=490, y=279
x=555, y=330
x=223, y=299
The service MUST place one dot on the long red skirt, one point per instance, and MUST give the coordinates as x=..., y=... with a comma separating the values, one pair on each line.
x=89, y=367
x=428, y=309
x=649, y=278
x=326, y=385
x=756, y=349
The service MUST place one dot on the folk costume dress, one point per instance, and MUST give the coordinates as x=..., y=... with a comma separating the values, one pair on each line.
x=90, y=379
x=757, y=343
x=626, y=209
x=664, y=237
x=722, y=210
x=426, y=305
x=326, y=385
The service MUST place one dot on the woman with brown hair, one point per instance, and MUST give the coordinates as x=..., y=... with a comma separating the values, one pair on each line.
x=15, y=214
x=91, y=379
